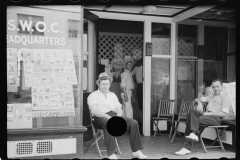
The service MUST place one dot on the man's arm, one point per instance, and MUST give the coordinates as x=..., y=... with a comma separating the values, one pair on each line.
x=124, y=85
x=119, y=111
x=220, y=114
x=96, y=112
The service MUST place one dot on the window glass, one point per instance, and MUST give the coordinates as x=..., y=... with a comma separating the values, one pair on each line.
x=43, y=67
x=161, y=38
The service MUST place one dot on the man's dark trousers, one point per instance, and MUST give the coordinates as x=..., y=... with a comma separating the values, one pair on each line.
x=194, y=119
x=132, y=129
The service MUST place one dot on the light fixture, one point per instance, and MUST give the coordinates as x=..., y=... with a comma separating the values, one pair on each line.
x=199, y=20
x=218, y=13
x=149, y=8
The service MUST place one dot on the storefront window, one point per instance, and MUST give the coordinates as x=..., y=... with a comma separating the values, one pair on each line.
x=159, y=82
x=160, y=76
x=187, y=69
x=161, y=38
x=43, y=62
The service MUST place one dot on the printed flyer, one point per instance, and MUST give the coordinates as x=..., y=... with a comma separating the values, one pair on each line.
x=52, y=97
x=19, y=115
x=12, y=70
x=48, y=66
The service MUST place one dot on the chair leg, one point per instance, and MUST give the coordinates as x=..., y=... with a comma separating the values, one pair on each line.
x=201, y=140
x=170, y=131
x=175, y=132
x=219, y=139
x=117, y=146
x=99, y=151
x=156, y=128
x=92, y=143
x=95, y=140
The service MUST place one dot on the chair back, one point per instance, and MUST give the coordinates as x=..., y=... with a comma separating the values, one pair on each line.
x=166, y=107
x=186, y=106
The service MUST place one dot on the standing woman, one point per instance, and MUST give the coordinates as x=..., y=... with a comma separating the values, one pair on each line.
x=138, y=72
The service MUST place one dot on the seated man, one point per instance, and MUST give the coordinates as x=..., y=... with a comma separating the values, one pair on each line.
x=104, y=104
x=218, y=107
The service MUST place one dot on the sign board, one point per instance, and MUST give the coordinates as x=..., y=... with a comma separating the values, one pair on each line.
x=19, y=115
x=56, y=113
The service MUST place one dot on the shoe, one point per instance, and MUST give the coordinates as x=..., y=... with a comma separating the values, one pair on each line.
x=139, y=155
x=113, y=156
x=192, y=137
x=183, y=152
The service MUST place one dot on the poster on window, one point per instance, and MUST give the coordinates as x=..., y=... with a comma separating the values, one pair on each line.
x=19, y=116
x=12, y=83
x=43, y=66
x=52, y=97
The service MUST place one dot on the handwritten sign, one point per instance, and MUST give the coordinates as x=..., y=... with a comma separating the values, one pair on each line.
x=60, y=113
x=231, y=91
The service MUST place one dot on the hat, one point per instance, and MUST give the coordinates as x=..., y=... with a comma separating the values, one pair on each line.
x=102, y=76
x=128, y=60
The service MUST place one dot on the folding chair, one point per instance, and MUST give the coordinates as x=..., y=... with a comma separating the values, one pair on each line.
x=165, y=112
x=186, y=106
x=219, y=130
x=97, y=135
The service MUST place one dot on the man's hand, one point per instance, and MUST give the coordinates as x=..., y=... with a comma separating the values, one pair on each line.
x=200, y=108
x=108, y=117
x=197, y=100
x=207, y=113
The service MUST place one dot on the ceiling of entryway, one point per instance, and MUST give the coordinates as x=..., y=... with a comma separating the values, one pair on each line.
x=217, y=13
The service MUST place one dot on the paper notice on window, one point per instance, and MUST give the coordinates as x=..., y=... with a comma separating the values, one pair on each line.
x=49, y=66
x=12, y=85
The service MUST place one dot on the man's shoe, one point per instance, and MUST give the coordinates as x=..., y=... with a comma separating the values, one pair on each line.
x=183, y=152
x=192, y=137
x=113, y=156
x=139, y=155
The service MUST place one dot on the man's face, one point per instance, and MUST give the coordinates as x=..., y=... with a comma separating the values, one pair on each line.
x=129, y=66
x=217, y=87
x=104, y=85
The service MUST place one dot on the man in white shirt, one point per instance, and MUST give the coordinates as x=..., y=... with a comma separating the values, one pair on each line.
x=126, y=86
x=218, y=107
x=104, y=105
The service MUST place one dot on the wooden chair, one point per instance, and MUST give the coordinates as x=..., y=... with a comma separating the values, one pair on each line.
x=225, y=123
x=219, y=130
x=166, y=113
x=97, y=135
x=186, y=106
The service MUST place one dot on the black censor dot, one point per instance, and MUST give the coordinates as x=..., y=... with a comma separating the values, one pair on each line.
x=116, y=126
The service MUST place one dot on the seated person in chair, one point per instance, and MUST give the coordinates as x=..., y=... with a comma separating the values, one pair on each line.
x=218, y=107
x=104, y=105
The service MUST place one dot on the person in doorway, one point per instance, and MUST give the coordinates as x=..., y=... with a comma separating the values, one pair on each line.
x=126, y=86
x=104, y=105
x=218, y=107
x=138, y=69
